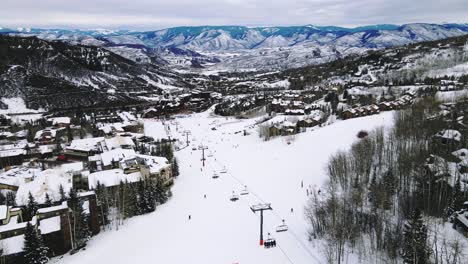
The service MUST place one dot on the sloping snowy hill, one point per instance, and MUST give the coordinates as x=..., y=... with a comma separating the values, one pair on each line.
x=221, y=231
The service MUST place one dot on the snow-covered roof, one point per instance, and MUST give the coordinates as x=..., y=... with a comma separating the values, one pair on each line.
x=59, y=120
x=86, y=144
x=116, y=155
x=62, y=206
x=126, y=116
x=72, y=167
x=154, y=163
x=12, y=225
x=11, y=152
x=43, y=149
x=449, y=134
x=18, y=176
x=118, y=141
x=47, y=181
x=45, y=133
x=49, y=225
x=109, y=128
x=462, y=154
x=111, y=177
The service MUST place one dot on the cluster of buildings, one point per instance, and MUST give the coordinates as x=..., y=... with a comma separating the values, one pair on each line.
x=372, y=109
x=449, y=161
x=195, y=100
x=450, y=85
x=285, y=125
x=294, y=103
x=38, y=168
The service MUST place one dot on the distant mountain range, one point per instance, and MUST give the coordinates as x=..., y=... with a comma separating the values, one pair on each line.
x=235, y=47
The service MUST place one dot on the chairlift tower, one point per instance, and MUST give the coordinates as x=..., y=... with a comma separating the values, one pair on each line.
x=187, y=133
x=261, y=207
x=203, y=148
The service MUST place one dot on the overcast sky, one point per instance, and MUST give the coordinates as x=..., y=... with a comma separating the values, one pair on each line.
x=157, y=14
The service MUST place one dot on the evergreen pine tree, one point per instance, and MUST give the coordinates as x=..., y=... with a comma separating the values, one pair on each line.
x=373, y=189
x=2, y=199
x=415, y=249
x=34, y=250
x=31, y=208
x=142, y=198
x=30, y=245
x=175, y=167
x=63, y=197
x=133, y=201
x=11, y=199
x=457, y=197
x=101, y=193
x=160, y=191
x=69, y=134
x=80, y=220
x=128, y=201
x=48, y=201
x=150, y=196
x=41, y=250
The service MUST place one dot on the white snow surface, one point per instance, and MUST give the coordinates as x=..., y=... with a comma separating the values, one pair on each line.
x=49, y=225
x=221, y=231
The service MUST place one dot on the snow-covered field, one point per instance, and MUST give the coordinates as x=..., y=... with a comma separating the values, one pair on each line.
x=221, y=231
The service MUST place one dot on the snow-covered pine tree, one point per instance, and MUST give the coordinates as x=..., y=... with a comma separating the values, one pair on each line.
x=48, y=202
x=34, y=250
x=101, y=194
x=415, y=248
x=63, y=197
x=31, y=208
x=81, y=231
x=160, y=191
x=41, y=250
x=128, y=202
x=142, y=198
x=150, y=196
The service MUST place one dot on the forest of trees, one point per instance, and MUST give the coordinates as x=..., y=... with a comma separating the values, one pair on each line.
x=129, y=199
x=382, y=203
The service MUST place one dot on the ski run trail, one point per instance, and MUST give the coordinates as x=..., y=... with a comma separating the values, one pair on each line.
x=222, y=231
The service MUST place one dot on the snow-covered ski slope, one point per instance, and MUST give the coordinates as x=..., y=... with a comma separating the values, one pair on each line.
x=222, y=231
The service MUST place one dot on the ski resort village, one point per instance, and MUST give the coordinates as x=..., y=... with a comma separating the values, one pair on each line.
x=248, y=189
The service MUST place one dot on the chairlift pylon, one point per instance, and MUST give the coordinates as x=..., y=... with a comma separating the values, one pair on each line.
x=282, y=228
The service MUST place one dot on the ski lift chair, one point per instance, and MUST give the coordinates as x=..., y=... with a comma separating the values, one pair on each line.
x=234, y=197
x=215, y=176
x=282, y=228
x=244, y=191
x=269, y=242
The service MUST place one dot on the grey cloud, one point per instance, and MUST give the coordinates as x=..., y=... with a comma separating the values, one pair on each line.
x=153, y=14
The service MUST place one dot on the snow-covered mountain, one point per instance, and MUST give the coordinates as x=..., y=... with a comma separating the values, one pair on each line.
x=53, y=74
x=240, y=47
